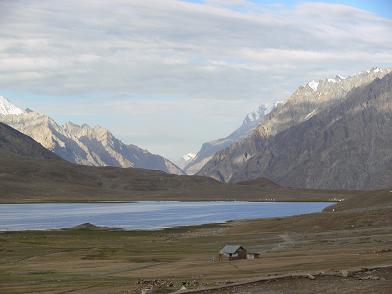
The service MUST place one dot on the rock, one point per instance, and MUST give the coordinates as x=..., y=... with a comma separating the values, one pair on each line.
x=87, y=226
x=345, y=273
x=311, y=277
x=370, y=277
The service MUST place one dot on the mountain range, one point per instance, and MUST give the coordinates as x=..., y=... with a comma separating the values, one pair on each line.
x=332, y=133
x=82, y=144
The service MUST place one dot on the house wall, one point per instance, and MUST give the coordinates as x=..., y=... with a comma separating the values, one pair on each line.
x=252, y=256
x=242, y=254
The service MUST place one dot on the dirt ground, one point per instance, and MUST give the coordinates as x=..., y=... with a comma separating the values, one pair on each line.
x=107, y=261
x=366, y=281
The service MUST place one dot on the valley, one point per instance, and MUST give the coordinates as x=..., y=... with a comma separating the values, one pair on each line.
x=196, y=146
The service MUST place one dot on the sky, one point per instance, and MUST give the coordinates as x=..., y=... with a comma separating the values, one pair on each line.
x=168, y=75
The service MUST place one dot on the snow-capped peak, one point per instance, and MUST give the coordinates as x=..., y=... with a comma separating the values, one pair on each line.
x=341, y=77
x=272, y=106
x=188, y=157
x=376, y=69
x=314, y=85
x=185, y=159
x=255, y=115
x=372, y=70
x=7, y=107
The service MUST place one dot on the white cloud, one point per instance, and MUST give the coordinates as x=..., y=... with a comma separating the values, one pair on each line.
x=221, y=50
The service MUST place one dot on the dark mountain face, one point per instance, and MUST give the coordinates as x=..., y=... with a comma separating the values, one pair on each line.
x=14, y=142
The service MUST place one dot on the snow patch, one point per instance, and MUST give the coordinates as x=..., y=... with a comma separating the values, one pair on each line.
x=310, y=114
x=256, y=115
x=314, y=85
x=377, y=69
x=272, y=106
x=341, y=77
x=188, y=157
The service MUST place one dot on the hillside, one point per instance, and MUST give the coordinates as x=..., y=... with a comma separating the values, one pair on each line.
x=30, y=173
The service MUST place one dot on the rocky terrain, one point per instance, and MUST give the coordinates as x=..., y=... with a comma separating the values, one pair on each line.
x=83, y=144
x=334, y=133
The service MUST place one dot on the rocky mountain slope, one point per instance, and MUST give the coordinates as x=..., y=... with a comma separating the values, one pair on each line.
x=84, y=145
x=208, y=149
x=7, y=107
x=334, y=133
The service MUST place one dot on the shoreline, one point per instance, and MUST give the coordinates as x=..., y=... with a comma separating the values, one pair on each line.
x=174, y=200
x=92, y=226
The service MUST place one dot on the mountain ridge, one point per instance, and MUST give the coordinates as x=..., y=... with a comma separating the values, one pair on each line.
x=257, y=154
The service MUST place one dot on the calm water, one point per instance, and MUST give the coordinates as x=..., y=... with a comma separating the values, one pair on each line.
x=146, y=215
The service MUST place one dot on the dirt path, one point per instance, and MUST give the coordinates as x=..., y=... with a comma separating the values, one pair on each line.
x=379, y=278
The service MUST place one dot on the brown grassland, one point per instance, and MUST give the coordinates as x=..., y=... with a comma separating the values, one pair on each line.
x=94, y=260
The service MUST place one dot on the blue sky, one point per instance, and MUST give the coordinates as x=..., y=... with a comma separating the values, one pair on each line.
x=379, y=7
x=170, y=75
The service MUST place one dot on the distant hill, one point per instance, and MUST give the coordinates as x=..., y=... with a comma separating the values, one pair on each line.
x=29, y=172
x=260, y=182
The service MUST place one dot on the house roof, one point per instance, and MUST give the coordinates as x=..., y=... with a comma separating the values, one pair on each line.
x=231, y=249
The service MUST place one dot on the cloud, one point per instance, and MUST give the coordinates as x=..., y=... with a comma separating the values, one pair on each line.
x=180, y=49
x=217, y=50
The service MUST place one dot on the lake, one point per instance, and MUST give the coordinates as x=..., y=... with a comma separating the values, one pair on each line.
x=143, y=215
